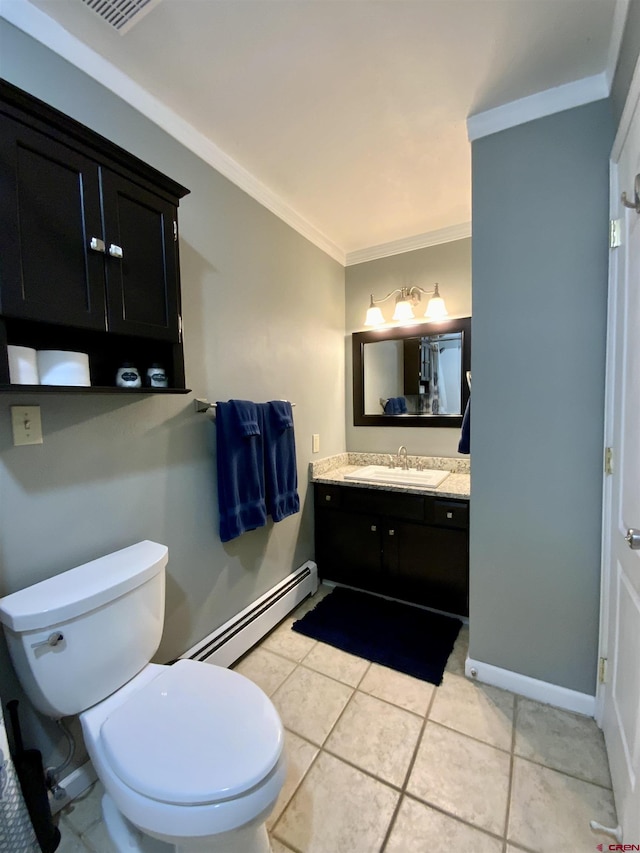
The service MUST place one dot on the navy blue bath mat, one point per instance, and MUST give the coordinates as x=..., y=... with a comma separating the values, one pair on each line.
x=409, y=639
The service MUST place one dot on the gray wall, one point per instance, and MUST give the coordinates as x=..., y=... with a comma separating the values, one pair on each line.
x=263, y=318
x=540, y=202
x=450, y=265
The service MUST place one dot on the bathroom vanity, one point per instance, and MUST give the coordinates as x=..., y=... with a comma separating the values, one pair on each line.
x=408, y=542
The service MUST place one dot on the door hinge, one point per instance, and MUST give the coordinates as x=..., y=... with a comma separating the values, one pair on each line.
x=179, y=328
x=615, y=233
x=175, y=231
x=608, y=460
x=602, y=671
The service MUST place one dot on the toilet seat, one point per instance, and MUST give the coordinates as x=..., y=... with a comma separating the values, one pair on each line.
x=196, y=734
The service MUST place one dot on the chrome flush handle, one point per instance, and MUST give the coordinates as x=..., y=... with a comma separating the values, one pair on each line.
x=52, y=640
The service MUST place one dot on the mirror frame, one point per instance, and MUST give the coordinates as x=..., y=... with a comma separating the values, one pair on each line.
x=417, y=330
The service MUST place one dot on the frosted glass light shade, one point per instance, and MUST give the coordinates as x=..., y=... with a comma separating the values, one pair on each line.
x=436, y=309
x=374, y=316
x=403, y=311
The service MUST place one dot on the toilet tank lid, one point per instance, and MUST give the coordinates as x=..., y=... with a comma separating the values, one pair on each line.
x=83, y=588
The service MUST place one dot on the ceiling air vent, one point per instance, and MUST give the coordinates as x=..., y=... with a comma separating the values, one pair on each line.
x=121, y=14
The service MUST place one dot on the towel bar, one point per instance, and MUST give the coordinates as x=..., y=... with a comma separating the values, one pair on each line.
x=204, y=406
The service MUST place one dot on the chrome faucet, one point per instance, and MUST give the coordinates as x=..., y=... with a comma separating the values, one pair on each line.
x=401, y=458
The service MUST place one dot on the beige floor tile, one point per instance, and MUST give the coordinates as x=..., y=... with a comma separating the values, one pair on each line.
x=69, y=841
x=474, y=709
x=458, y=656
x=288, y=643
x=337, y=664
x=85, y=810
x=421, y=829
x=309, y=603
x=279, y=847
x=309, y=703
x=300, y=754
x=265, y=669
x=561, y=740
x=467, y=778
x=377, y=737
x=97, y=839
x=407, y=692
x=551, y=811
x=337, y=809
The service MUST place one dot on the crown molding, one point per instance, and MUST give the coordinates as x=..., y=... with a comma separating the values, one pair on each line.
x=38, y=25
x=408, y=244
x=542, y=104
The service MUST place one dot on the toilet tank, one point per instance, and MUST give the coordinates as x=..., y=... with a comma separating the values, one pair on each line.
x=109, y=613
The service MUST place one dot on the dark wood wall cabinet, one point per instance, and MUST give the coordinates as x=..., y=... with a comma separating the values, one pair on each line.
x=88, y=248
x=411, y=547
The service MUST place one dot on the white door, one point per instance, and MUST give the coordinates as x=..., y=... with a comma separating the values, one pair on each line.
x=619, y=697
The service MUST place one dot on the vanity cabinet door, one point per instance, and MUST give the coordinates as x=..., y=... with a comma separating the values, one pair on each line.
x=348, y=548
x=140, y=260
x=50, y=211
x=430, y=566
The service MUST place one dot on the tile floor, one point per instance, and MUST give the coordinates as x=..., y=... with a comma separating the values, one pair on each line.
x=380, y=762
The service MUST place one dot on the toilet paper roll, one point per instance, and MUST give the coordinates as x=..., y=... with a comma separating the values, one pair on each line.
x=59, y=367
x=23, y=366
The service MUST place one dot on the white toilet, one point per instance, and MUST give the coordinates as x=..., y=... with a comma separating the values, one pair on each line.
x=190, y=755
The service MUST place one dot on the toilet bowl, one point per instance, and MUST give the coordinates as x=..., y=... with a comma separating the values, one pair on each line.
x=191, y=755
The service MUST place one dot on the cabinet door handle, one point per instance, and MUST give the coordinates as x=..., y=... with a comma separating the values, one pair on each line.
x=115, y=251
x=373, y=528
x=97, y=245
x=392, y=533
x=327, y=497
x=449, y=515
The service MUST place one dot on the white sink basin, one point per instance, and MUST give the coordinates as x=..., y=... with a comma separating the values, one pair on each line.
x=429, y=477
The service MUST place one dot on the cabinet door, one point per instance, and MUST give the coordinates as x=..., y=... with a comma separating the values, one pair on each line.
x=428, y=565
x=141, y=260
x=49, y=211
x=348, y=548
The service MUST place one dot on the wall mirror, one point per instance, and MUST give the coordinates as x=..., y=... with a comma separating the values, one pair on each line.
x=412, y=375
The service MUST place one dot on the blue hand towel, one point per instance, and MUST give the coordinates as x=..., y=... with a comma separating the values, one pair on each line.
x=464, y=445
x=239, y=452
x=281, y=472
x=395, y=406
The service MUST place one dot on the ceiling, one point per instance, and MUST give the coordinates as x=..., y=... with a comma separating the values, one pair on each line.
x=350, y=115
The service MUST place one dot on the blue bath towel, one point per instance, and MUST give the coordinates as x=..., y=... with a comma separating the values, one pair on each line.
x=239, y=454
x=281, y=474
x=464, y=445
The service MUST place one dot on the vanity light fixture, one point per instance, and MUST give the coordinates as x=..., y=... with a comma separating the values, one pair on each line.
x=406, y=299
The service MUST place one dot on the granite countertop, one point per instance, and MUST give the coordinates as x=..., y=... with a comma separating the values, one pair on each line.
x=332, y=470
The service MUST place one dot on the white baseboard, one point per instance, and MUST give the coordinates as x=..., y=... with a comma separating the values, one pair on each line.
x=74, y=784
x=532, y=688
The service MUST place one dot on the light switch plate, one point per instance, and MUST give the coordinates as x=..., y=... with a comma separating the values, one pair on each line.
x=26, y=424
x=315, y=442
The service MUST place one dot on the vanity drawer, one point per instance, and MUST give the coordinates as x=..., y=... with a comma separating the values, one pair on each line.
x=451, y=513
x=328, y=495
x=383, y=502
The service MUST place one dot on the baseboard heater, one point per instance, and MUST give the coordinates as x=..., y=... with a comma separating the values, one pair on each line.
x=230, y=641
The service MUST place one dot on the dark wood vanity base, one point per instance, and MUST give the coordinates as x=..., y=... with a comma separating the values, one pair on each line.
x=409, y=546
